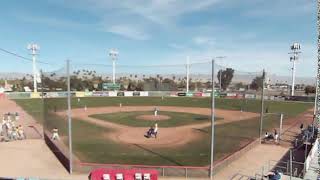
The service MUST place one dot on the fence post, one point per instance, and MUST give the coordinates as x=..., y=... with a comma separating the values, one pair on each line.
x=186, y=171
x=290, y=164
x=306, y=154
x=281, y=119
x=262, y=107
x=212, y=122
x=162, y=172
x=69, y=117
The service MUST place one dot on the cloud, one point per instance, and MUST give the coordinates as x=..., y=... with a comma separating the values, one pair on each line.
x=203, y=40
x=165, y=12
x=161, y=12
x=177, y=46
x=273, y=57
x=128, y=31
x=283, y=8
x=50, y=21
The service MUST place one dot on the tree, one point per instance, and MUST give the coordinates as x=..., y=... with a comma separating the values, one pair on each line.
x=226, y=77
x=257, y=83
x=239, y=85
x=309, y=89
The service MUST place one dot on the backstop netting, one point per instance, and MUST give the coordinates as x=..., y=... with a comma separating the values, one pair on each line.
x=56, y=130
x=157, y=116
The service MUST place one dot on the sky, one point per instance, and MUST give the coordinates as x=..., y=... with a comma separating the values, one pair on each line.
x=251, y=34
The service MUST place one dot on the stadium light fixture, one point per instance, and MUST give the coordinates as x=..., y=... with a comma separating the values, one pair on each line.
x=34, y=48
x=295, y=48
x=113, y=53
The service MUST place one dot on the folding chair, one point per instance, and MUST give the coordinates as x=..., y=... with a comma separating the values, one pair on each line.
x=146, y=176
x=119, y=177
x=106, y=176
x=138, y=176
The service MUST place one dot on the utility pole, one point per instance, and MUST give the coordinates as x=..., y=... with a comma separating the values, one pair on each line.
x=114, y=55
x=69, y=119
x=34, y=48
x=295, y=48
x=188, y=72
x=220, y=74
x=212, y=122
x=262, y=105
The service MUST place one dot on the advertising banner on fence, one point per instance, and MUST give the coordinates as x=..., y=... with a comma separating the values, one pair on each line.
x=35, y=95
x=249, y=96
x=120, y=93
x=136, y=93
x=231, y=95
x=189, y=94
x=112, y=93
x=144, y=93
x=173, y=94
x=80, y=94
x=87, y=93
x=181, y=94
x=128, y=93
x=197, y=94
x=100, y=93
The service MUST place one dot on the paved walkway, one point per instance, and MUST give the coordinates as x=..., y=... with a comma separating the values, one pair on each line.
x=30, y=157
x=252, y=161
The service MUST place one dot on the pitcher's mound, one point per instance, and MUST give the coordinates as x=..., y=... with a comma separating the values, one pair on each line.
x=153, y=118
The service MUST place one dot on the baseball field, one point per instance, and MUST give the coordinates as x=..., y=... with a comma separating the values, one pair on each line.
x=106, y=132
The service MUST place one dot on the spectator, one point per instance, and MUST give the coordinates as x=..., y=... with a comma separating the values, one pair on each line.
x=266, y=135
x=14, y=134
x=17, y=116
x=274, y=175
x=301, y=127
x=21, y=133
x=276, y=137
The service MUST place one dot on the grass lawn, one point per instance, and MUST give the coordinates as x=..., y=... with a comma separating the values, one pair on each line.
x=35, y=106
x=90, y=146
x=176, y=118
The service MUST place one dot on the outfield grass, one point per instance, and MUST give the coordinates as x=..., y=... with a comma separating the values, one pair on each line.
x=176, y=118
x=288, y=108
x=90, y=146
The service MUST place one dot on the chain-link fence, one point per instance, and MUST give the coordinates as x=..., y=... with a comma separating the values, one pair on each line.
x=55, y=97
x=154, y=116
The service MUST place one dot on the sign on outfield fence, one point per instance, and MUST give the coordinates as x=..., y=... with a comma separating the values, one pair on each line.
x=110, y=86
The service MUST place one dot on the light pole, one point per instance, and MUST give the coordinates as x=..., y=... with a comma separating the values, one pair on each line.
x=295, y=48
x=188, y=72
x=220, y=75
x=33, y=48
x=220, y=72
x=114, y=55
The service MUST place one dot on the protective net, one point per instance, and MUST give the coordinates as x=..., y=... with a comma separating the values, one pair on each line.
x=55, y=125
x=158, y=116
